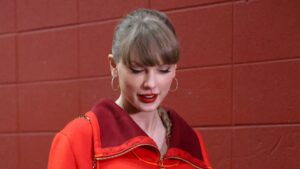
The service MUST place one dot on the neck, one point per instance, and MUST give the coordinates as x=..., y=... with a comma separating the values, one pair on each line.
x=150, y=123
x=127, y=107
x=145, y=120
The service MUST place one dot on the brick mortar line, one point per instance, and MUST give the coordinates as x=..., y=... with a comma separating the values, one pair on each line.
x=55, y=81
x=254, y=126
x=232, y=87
x=63, y=26
x=183, y=69
x=17, y=78
x=37, y=133
x=204, y=5
x=249, y=126
x=279, y=60
x=109, y=19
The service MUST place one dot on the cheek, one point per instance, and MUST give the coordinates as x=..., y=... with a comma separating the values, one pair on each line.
x=127, y=83
x=168, y=80
x=166, y=83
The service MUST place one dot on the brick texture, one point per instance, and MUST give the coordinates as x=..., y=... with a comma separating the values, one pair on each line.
x=93, y=89
x=34, y=159
x=206, y=90
x=266, y=147
x=266, y=30
x=171, y=4
x=218, y=145
x=48, y=55
x=273, y=98
x=51, y=103
x=205, y=35
x=9, y=151
x=91, y=10
x=8, y=108
x=238, y=75
x=7, y=59
x=95, y=44
x=32, y=14
x=7, y=16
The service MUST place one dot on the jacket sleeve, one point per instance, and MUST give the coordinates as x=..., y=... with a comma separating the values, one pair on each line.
x=72, y=147
x=61, y=154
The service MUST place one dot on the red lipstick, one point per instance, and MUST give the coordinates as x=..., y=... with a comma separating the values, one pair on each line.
x=147, y=98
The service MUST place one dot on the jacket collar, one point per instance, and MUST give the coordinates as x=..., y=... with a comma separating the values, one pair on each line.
x=119, y=132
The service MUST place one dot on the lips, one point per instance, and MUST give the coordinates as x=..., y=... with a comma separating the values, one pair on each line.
x=147, y=98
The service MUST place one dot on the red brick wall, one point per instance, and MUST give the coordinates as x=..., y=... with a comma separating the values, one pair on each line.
x=239, y=76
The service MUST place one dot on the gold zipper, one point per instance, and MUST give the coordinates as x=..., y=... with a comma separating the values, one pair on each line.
x=124, y=152
x=161, y=162
x=178, y=158
x=84, y=116
x=161, y=166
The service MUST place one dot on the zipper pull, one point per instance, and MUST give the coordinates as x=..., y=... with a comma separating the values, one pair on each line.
x=161, y=162
x=94, y=163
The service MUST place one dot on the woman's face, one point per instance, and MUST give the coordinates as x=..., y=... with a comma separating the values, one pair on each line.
x=143, y=88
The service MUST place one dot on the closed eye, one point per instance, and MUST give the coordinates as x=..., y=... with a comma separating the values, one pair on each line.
x=136, y=70
x=164, y=70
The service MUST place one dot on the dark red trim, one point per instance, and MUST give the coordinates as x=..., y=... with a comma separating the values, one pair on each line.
x=183, y=136
x=119, y=132
x=118, y=125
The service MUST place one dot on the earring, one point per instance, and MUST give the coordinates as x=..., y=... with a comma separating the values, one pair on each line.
x=176, y=87
x=112, y=84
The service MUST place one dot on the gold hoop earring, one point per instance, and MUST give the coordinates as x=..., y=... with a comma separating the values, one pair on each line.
x=112, y=84
x=176, y=87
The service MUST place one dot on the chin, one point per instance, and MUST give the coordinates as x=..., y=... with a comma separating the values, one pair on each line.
x=149, y=107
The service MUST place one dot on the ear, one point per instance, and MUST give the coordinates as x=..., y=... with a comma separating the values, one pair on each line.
x=113, y=65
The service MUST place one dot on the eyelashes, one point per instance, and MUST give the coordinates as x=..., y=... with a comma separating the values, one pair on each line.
x=165, y=70
x=137, y=70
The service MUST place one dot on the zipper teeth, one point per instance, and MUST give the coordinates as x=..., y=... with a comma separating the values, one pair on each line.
x=123, y=152
x=134, y=147
x=186, y=162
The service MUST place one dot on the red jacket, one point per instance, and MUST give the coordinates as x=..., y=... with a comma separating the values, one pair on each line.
x=107, y=138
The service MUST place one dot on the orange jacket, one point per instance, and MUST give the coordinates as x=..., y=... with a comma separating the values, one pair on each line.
x=107, y=138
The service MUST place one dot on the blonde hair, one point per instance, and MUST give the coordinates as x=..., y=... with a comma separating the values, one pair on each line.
x=146, y=36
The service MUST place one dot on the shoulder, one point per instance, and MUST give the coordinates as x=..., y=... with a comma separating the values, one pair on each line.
x=76, y=130
x=77, y=135
x=72, y=146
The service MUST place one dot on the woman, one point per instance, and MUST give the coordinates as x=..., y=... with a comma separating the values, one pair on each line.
x=134, y=131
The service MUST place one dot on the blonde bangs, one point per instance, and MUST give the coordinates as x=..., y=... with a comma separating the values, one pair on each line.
x=150, y=43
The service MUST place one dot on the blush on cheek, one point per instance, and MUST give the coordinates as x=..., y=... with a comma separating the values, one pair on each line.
x=170, y=85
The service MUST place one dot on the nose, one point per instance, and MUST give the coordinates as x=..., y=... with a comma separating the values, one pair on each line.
x=150, y=80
